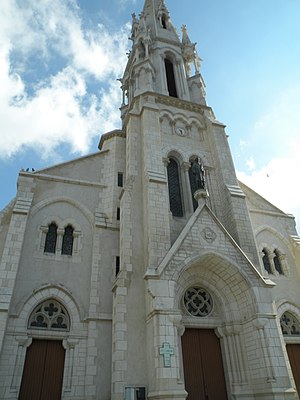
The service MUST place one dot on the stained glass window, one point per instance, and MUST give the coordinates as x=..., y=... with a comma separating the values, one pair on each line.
x=67, y=243
x=49, y=315
x=289, y=324
x=51, y=237
x=174, y=189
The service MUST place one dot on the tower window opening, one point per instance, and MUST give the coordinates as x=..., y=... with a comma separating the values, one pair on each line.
x=174, y=189
x=170, y=78
x=117, y=265
x=164, y=22
x=120, y=179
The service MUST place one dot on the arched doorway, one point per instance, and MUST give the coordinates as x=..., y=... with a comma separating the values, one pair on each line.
x=290, y=327
x=201, y=351
x=43, y=371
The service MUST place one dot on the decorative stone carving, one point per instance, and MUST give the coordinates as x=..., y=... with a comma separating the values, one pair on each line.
x=166, y=351
x=209, y=235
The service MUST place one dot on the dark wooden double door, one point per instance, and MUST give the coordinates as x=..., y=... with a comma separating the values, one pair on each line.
x=293, y=351
x=203, y=365
x=43, y=371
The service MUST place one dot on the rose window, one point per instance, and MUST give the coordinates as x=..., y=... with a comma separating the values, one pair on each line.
x=198, y=302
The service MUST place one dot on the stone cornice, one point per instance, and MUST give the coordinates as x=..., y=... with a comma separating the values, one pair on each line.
x=63, y=179
x=109, y=135
x=271, y=213
x=183, y=104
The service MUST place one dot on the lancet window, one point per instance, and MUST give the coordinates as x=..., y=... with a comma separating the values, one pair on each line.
x=67, y=242
x=51, y=238
x=60, y=239
x=175, y=197
x=170, y=78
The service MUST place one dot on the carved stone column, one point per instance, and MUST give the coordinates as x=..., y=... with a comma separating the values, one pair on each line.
x=23, y=343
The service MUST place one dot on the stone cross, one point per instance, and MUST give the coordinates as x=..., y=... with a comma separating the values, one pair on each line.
x=166, y=351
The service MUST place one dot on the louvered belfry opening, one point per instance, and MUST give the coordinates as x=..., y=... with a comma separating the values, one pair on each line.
x=170, y=78
x=43, y=371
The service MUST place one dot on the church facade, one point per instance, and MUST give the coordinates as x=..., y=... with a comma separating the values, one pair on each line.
x=147, y=270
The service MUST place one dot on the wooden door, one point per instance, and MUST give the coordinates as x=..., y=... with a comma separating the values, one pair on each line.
x=203, y=366
x=293, y=351
x=43, y=371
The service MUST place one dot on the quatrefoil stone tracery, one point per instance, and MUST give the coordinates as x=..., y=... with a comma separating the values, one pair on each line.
x=198, y=302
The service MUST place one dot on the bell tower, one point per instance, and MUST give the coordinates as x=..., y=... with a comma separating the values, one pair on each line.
x=159, y=61
x=164, y=104
x=174, y=147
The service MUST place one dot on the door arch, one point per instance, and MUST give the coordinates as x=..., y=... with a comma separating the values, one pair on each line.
x=43, y=370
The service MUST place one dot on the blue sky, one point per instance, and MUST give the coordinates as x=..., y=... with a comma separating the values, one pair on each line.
x=59, y=61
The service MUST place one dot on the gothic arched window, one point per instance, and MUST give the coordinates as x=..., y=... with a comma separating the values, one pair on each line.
x=174, y=189
x=50, y=315
x=277, y=262
x=289, y=325
x=51, y=238
x=67, y=242
x=170, y=78
x=266, y=261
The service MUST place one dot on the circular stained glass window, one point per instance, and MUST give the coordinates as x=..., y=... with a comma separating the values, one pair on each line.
x=198, y=302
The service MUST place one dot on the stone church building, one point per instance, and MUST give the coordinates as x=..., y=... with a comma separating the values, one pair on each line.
x=147, y=270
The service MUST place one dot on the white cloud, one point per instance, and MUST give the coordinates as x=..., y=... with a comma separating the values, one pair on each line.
x=55, y=114
x=277, y=182
x=250, y=163
x=59, y=109
x=275, y=143
x=278, y=129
